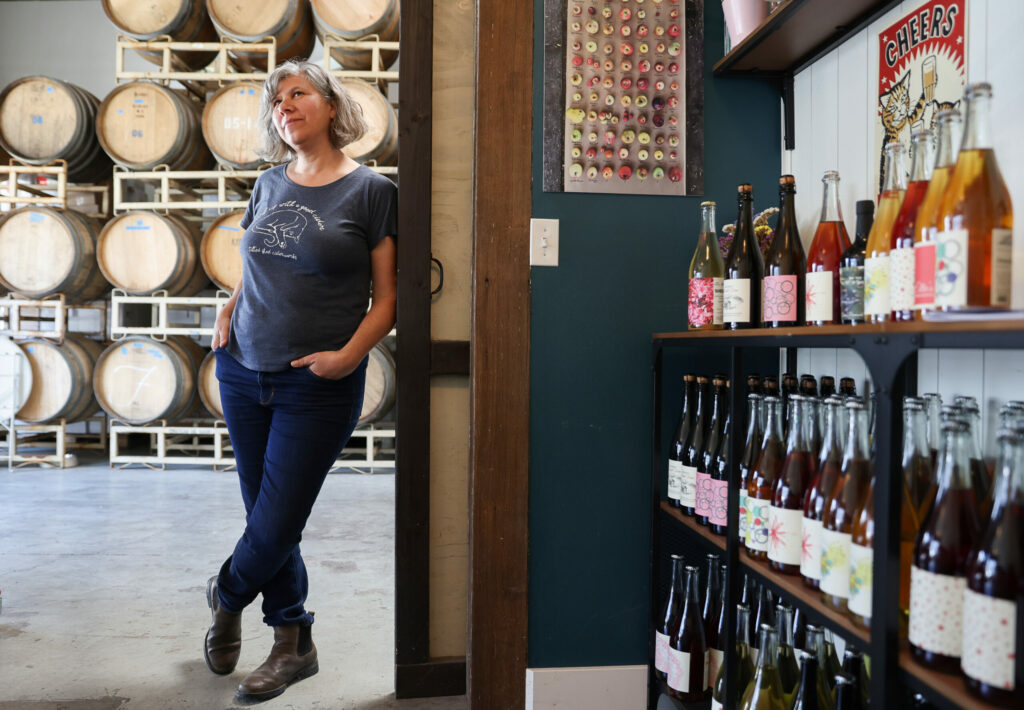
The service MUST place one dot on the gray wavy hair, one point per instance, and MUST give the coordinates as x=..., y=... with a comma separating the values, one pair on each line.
x=347, y=126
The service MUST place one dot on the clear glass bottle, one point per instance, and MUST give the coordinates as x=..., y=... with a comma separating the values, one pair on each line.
x=851, y=267
x=762, y=481
x=901, y=245
x=926, y=226
x=876, y=259
x=933, y=411
x=827, y=247
x=785, y=265
x=745, y=672
x=806, y=697
x=744, y=269
x=785, y=659
x=669, y=617
x=785, y=533
x=687, y=656
x=679, y=441
x=816, y=647
x=751, y=448
x=815, y=505
x=975, y=238
x=764, y=613
x=707, y=271
x=765, y=690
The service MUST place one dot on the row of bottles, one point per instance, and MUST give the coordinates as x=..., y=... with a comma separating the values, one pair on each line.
x=943, y=241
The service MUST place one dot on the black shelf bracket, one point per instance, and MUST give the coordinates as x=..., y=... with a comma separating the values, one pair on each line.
x=787, y=111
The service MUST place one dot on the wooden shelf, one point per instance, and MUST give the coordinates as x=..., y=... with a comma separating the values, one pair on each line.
x=716, y=540
x=941, y=688
x=915, y=328
x=798, y=32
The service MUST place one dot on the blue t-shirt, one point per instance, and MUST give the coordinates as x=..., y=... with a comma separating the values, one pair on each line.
x=306, y=264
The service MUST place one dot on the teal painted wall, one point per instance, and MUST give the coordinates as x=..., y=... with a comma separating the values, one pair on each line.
x=621, y=276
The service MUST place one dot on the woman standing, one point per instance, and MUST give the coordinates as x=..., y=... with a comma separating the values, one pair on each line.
x=291, y=348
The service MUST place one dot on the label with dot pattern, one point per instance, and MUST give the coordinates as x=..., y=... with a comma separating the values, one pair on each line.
x=936, y=608
x=989, y=647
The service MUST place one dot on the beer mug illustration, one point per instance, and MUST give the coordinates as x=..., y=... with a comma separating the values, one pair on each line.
x=929, y=78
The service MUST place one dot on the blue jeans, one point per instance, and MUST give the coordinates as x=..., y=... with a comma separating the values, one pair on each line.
x=287, y=429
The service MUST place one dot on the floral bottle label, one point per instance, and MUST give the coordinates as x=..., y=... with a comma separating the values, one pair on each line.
x=784, y=535
x=851, y=292
x=679, y=670
x=718, y=514
x=810, y=554
x=661, y=651
x=951, y=268
x=675, y=479
x=703, y=502
x=876, y=285
x=758, y=511
x=860, y=580
x=688, y=487
x=1002, y=267
x=780, y=298
x=705, y=302
x=936, y=609
x=736, y=300
x=715, y=659
x=835, y=563
x=990, y=643
x=819, y=296
x=901, y=279
x=743, y=515
x=924, y=275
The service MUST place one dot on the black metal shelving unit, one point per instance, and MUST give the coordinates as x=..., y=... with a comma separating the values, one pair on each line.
x=889, y=352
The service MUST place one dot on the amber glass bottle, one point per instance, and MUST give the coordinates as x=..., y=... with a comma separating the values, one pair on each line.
x=785, y=535
x=762, y=481
x=827, y=247
x=918, y=492
x=744, y=268
x=751, y=448
x=785, y=265
x=877, y=299
x=901, y=245
x=816, y=499
x=862, y=540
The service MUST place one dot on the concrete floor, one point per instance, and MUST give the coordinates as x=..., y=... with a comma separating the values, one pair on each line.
x=103, y=575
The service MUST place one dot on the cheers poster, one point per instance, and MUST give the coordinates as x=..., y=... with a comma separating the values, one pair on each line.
x=922, y=68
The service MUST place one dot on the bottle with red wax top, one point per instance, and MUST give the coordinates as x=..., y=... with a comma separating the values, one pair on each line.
x=901, y=244
x=823, y=258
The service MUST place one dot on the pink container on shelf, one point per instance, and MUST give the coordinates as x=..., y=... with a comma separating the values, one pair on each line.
x=742, y=17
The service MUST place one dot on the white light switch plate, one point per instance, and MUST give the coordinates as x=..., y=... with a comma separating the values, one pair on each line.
x=543, y=242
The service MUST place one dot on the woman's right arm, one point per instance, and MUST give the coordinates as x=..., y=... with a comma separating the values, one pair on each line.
x=222, y=326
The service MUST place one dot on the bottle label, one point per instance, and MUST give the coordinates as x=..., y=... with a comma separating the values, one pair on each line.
x=718, y=514
x=835, y=563
x=901, y=279
x=936, y=608
x=715, y=705
x=675, y=479
x=743, y=515
x=705, y=302
x=924, y=275
x=819, y=296
x=736, y=300
x=876, y=285
x=784, y=535
x=1002, y=262
x=661, y=651
x=715, y=659
x=851, y=292
x=703, y=501
x=810, y=559
x=679, y=670
x=758, y=511
x=951, y=268
x=860, y=580
x=990, y=645
x=688, y=487
x=779, y=298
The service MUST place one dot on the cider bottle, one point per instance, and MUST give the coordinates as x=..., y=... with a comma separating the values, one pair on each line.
x=918, y=490
x=785, y=658
x=806, y=697
x=745, y=671
x=669, y=617
x=828, y=386
x=926, y=224
x=827, y=247
x=901, y=245
x=744, y=268
x=765, y=690
x=862, y=540
x=751, y=448
x=694, y=449
x=847, y=692
x=975, y=238
x=816, y=499
x=687, y=656
x=679, y=441
x=785, y=534
x=762, y=481
x=718, y=520
x=712, y=594
x=704, y=303
x=816, y=647
x=877, y=290
x=785, y=265
x=706, y=458
x=851, y=267
x=764, y=614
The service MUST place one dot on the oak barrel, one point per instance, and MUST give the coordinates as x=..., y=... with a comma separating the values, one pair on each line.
x=62, y=377
x=13, y=363
x=221, y=252
x=379, y=395
x=290, y=22
x=230, y=125
x=44, y=119
x=143, y=252
x=141, y=125
x=354, y=19
x=45, y=251
x=380, y=143
x=209, y=386
x=182, y=20
x=139, y=380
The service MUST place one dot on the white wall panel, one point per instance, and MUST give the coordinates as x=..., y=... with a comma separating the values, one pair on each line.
x=852, y=112
x=824, y=144
x=805, y=119
x=977, y=38
x=1003, y=381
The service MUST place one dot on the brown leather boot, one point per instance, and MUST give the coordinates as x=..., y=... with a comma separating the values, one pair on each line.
x=292, y=658
x=224, y=638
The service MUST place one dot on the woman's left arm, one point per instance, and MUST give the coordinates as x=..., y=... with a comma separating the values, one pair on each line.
x=378, y=322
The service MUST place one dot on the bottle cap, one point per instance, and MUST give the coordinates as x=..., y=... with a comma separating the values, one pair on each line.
x=981, y=88
x=830, y=175
x=745, y=188
x=865, y=207
x=787, y=180
x=708, y=203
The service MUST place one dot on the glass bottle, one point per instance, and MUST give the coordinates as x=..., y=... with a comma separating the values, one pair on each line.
x=975, y=237
x=706, y=458
x=762, y=481
x=771, y=387
x=862, y=538
x=938, y=576
x=981, y=480
x=853, y=663
x=828, y=386
x=926, y=224
x=847, y=692
x=816, y=647
x=995, y=584
x=687, y=659
x=799, y=627
x=744, y=269
x=918, y=491
x=679, y=441
x=764, y=614
x=694, y=450
x=831, y=658
x=785, y=659
x=847, y=387
x=851, y=267
x=846, y=496
x=712, y=593
x=785, y=533
x=816, y=500
x=707, y=271
x=754, y=384
x=751, y=448
x=933, y=411
x=719, y=620
x=901, y=244
x=748, y=595
x=668, y=617
x=827, y=247
x=785, y=265
x=745, y=672
x=765, y=690
x=876, y=258
x=718, y=513
x=808, y=386
x=806, y=697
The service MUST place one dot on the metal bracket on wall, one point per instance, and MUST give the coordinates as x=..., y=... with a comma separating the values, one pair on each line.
x=789, y=122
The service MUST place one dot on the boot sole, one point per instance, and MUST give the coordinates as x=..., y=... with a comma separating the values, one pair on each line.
x=206, y=656
x=253, y=698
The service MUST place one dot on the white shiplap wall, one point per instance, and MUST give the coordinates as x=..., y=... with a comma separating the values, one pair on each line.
x=834, y=103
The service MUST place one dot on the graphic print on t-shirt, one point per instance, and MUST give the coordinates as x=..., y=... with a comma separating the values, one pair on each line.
x=282, y=226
